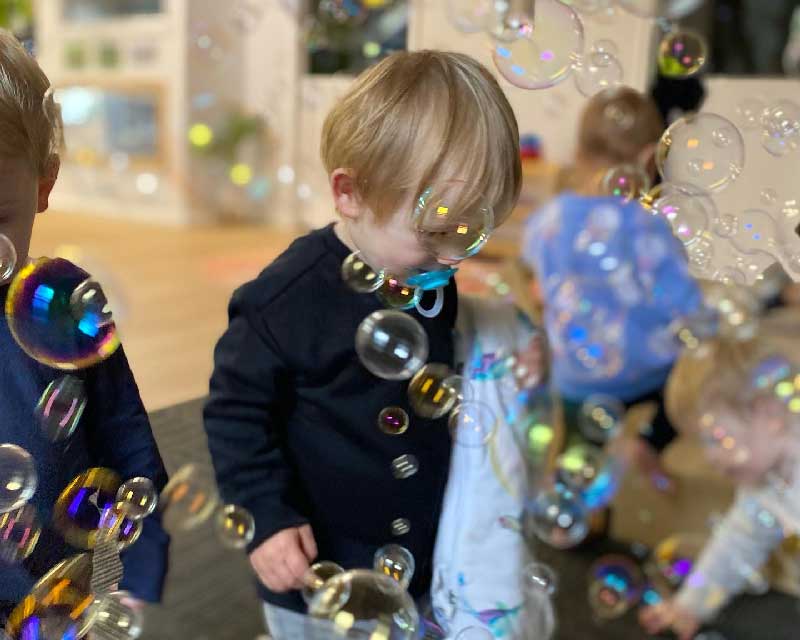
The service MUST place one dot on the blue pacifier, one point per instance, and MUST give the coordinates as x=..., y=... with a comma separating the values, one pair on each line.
x=430, y=280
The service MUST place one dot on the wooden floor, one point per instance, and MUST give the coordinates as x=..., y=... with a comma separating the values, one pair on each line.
x=175, y=285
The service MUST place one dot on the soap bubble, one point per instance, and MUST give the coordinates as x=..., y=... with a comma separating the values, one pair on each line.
x=405, y=466
x=736, y=308
x=361, y=603
x=116, y=619
x=688, y=210
x=8, y=259
x=589, y=472
x=748, y=114
x=18, y=479
x=87, y=510
x=769, y=196
x=546, y=56
x=510, y=22
x=757, y=231
x=61, y=406
x=626, y=181
x=342, y=12
x=674, y=559
x=557, y=517
x=89, y=304
x=470, y=16
x=316, y=576
x=601, y=418
x=539, y=577
x=396, y=562
x=780, y=124
x=682, y=54
x=359, y=276
x=391, y=345
x=670, y=9
x=608, y=47
x=40, y=316
x=138, y=497
x=187, y=501
x=700, y=254
x=234, y=526
x=396, y=294
x=704, y=150
x=452, y=220
x=472, y=424
x=428, y=395
x=19, y=533
x=393, y=421
x=615, y=586
x=598, y=72
x=458, y=386
x=57, y=603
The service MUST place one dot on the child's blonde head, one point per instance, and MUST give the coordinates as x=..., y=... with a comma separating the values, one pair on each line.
x=618, y=125
x=30, y=121
x=421, y=117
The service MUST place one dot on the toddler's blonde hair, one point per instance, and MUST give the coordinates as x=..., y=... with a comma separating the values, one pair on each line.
x=417, y=118
x=30, y=120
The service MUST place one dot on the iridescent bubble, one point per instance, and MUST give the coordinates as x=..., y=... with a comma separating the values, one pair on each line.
x=608, y=47
x=682, y=54
x=452, y=220
x=472, y=424
x=736, y=309
x=546, y=56
x=730, y=276
x=8, y=259
x=674, y=558
x=61, y=406
x=688, y=210
x=748, y=114
x=627, y=181
x=557, y=517
x=234, y=526
x=18, y=479
x=391, y=345
x=86, y=511
x=601, y=418
x=19, y=533
x=458, y=386
x=359, y=276
x=700, y=254
x=396, y=562
x=509, y=22
x=470, y=16
x=703, y=150
x=540, y=577
x=400, y=526
x=89, y=304
x=54, y=621
x=188, y=500
x=396, y=294
x=780, y=127
x=116, y=619
x=428, y=395
x=41, y=319
x=598, y=72
x=757, y=231
x=725, y=225
x=393, y=421
x=791, y=209
x=138, y=497
x=615, y=586
x=316, y=576
x=363, y=603
x=590, y=473
x=405, y=466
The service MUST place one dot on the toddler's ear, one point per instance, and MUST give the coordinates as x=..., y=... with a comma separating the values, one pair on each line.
x=345, y=193
x=47, y=182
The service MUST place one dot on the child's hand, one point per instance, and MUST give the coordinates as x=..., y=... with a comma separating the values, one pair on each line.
x=637, y=452
x=668, y=615
x=282, y=560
